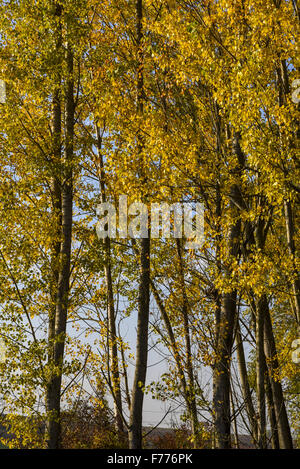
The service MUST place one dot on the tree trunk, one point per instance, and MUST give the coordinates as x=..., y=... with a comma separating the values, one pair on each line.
x=113, y=346
x=54, y=388
x=263, y=319
x=190, y=391
x=245, y=383
x=271, y=412
x=55, y=251
x=136, y=410
x=55, y=246
x=115, y=375
x=260, y=355
x=171, y=336
x=284, y=432
x=260, y=374
x=221, y=391
x=236, y=434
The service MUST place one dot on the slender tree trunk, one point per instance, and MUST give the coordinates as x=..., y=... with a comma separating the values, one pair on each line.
x=282, y=423
x=272, y=415
x=181, y=369
x=115, y=375
x=221, y=391
x=172, y=340
x=284, y=432
x=260, y=355
x=113, y=346
x=55, y=251
x=56, y=210
x=191, y=398
x=136, y=410
x=55, y=247
x=124, y=370
x=236, y=433
x=54, y=389
x=245, y=383
x=263, y=319
x=260, y=374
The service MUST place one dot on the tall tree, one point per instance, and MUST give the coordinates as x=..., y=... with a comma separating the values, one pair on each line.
x=136, y=410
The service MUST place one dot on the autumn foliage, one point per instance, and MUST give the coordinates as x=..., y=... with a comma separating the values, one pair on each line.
x=165, y=102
